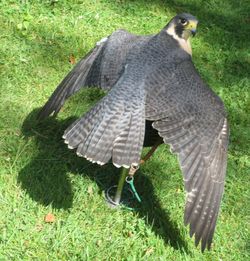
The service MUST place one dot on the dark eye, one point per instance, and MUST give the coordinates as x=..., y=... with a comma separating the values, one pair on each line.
x=183, y=21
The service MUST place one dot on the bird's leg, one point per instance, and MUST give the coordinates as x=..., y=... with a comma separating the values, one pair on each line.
x=150, y=153
x=124, y=174
x=134, y=168
x=130, y=172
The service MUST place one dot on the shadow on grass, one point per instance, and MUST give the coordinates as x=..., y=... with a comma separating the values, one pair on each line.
x=45, y=177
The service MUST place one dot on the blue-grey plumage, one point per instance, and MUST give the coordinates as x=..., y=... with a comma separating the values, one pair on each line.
x=154, y=91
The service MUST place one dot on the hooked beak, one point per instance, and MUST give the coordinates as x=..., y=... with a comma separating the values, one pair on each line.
x=193, y=32
x=192, y=26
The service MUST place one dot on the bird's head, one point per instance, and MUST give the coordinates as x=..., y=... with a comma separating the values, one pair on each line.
x=182, y=26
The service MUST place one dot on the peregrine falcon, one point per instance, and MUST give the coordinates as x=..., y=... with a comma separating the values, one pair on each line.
x=154, y=91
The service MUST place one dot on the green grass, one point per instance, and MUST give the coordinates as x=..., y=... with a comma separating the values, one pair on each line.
x=39, y=175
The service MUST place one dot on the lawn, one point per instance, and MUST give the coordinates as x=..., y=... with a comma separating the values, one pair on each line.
x=38, y=174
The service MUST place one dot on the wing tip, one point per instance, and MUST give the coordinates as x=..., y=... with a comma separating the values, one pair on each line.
x=204, y=240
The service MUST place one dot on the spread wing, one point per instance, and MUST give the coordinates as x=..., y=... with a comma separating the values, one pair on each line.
x=192, y=119
x=101, y=67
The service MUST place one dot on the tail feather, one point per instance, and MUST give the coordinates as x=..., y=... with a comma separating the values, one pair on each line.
x=80, y=129
x=130, y=140
x=108, y=131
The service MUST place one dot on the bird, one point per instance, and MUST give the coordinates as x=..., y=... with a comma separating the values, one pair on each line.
x=154, y=95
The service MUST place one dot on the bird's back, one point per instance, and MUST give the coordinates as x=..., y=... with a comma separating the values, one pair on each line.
x=109, y=65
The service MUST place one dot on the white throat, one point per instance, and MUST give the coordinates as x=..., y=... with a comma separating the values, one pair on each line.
x=184, y=44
